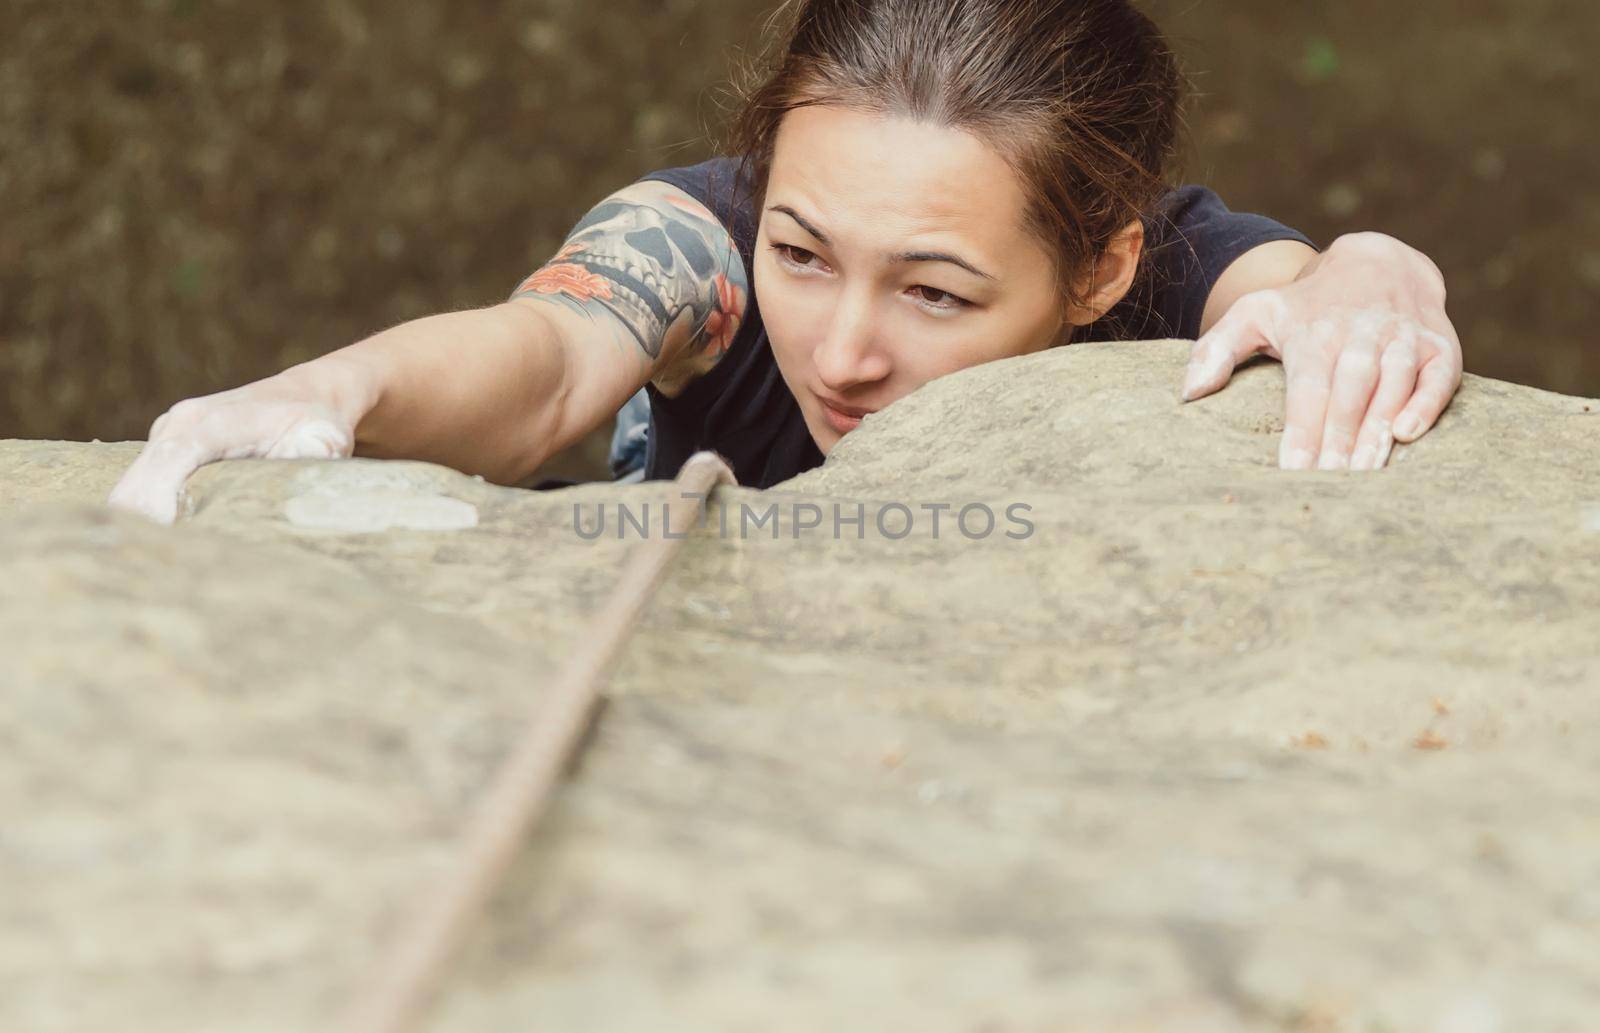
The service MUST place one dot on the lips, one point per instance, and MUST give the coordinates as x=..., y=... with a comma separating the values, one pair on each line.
x=842, y=418
x=854, y=411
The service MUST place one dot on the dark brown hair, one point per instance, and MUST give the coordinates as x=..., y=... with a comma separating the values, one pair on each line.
x=1080, y=97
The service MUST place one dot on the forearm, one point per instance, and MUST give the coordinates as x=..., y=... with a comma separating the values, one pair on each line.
x=479, y=390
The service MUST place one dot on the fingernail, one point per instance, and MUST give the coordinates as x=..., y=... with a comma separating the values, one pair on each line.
x=1383, y=454
x=1407, y=426
x=1362, y=460
x=1296, y=459
x=1330, y=460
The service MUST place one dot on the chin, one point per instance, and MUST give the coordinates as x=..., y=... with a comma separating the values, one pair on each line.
x=825, y=436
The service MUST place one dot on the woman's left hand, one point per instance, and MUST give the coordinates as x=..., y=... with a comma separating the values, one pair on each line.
x=1368, y=354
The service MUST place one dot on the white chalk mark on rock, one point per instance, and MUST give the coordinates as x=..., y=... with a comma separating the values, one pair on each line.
x=366, y=498
x=371, y=510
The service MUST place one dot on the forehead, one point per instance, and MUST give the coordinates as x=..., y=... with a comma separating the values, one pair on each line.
x=877, y=182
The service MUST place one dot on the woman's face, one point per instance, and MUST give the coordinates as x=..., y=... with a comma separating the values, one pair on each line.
x=892, y=252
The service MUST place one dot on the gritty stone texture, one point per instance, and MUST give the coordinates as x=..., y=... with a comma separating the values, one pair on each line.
x=1215, y=747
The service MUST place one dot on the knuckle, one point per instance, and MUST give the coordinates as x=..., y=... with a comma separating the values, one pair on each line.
x=1375, y=426
x=1338, y=435
x=1303, y=378
x=1439, y=377
x=1441, y=344
x=1401, y=355
x=1319, y=337
x=1358, y=361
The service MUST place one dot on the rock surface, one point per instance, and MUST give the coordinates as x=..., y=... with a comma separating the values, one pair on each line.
x=1211, y=746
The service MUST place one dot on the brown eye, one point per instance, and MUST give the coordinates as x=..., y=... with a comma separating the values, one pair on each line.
x=794, y=255
x=938, y=299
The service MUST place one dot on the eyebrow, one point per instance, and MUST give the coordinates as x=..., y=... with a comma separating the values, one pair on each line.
x=898, y=256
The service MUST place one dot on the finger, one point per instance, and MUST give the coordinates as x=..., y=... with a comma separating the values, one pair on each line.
x=1244, y=330
x=311, y=439
x=152, y=485
x=1355, y=378
x=1397, y=379
x=1308, y=375
x=1436, y=384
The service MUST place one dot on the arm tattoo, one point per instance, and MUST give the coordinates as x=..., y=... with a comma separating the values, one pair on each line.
x=662, y=269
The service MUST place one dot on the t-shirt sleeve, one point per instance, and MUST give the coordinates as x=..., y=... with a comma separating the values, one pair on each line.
x=1190, y=242
x=716, y=183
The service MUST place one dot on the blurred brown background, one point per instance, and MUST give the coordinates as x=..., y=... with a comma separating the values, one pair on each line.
x=200, y=192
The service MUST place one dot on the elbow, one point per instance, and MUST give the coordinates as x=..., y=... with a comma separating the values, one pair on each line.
x=540, y=426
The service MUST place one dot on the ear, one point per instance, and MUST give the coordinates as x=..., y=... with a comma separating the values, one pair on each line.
x=1110, y=276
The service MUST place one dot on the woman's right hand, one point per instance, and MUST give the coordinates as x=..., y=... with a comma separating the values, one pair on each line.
x=493, y=391
x=281, y=417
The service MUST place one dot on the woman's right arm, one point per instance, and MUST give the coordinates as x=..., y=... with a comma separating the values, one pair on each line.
x=647, y=286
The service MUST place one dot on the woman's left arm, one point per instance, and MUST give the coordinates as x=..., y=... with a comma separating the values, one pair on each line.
x=1369, y=356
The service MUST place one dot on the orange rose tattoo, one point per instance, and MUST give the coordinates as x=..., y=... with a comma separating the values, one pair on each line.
x=566, y=278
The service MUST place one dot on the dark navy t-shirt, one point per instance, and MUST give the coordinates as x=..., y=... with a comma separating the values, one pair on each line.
x=743, y=410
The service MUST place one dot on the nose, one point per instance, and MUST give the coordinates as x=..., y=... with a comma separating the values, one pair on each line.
x=850, y=354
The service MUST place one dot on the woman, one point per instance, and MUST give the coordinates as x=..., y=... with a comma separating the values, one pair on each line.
x=924, y=185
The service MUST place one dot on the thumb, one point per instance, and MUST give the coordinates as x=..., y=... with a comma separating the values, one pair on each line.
x=1242, y=331
x=153, y=484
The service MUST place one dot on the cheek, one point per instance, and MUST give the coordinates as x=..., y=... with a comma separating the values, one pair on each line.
x=1007, y=334
x=795, y=318
x=970, y=341
x=979, y=338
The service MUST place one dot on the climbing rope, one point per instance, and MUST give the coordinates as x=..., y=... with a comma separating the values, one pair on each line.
x=400, y=989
